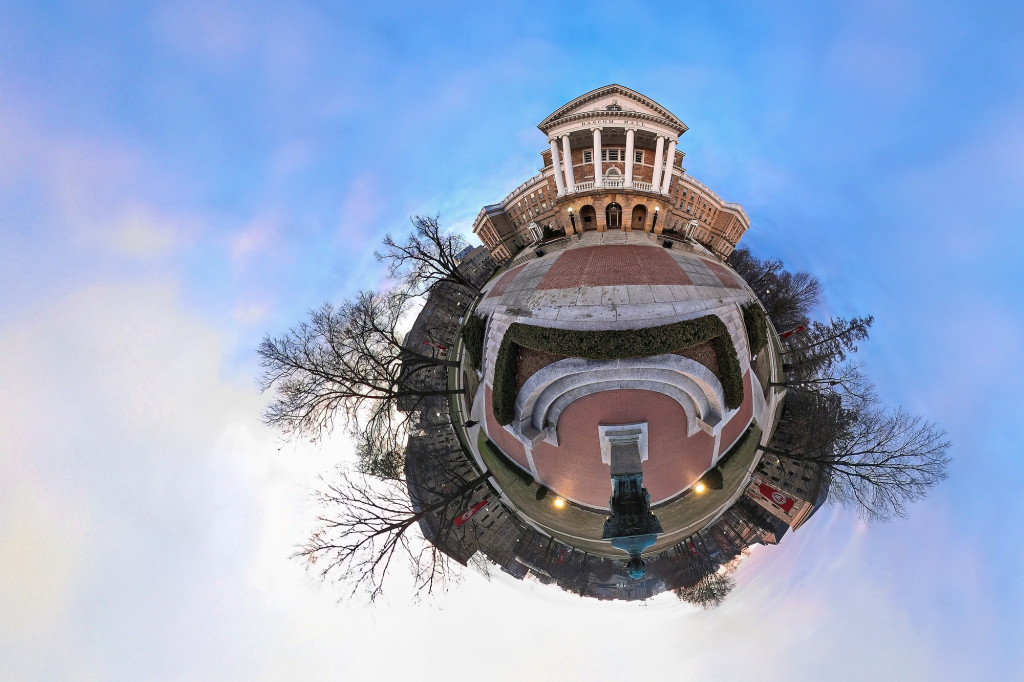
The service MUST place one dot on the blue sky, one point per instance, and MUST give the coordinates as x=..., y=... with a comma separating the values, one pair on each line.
x=178, y=179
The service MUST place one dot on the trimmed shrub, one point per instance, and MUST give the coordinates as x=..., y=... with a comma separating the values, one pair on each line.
x=550, y=233
x=713, y=479
x=505, y=380
x=614, y=344
x=757, y=327
x=729, y=371
x=473, y=336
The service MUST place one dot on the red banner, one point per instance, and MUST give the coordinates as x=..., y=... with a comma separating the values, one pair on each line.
x=778, y=499
x=471, y=512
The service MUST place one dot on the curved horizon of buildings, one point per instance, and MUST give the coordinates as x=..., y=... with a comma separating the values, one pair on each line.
x=612, y=166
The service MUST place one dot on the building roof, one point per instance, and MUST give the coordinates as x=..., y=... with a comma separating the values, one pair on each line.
x=633, y=105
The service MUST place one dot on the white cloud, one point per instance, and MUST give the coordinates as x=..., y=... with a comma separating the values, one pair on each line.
x=136, y=476
x=143, y=233
x=151, y=516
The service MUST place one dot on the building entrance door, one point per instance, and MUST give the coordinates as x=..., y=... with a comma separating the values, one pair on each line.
x=613, y=216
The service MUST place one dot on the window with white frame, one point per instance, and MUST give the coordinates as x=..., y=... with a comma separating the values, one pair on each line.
x=638, y=156
x=588, y=156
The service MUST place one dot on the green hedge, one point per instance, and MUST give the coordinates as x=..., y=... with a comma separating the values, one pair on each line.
x=757, y=327
x=473, y=337
x=613, y=345
x=713, y=479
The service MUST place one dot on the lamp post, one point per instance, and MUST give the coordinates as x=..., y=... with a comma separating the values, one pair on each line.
x=572, y=219
x=654, y=223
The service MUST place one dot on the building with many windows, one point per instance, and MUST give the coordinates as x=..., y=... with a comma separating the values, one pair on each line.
x=613, y=163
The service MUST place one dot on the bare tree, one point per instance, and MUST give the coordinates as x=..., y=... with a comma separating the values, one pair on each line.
x=788, y=297
x=845, y=381
x=428, y=258
x=759, y=274
x=791, y=298
x=876, y=460
x=369, y=523
x=350, y=363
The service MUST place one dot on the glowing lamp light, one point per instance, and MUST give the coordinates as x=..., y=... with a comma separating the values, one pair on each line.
x=570, y=210
x=699, y=488
x=559, y=502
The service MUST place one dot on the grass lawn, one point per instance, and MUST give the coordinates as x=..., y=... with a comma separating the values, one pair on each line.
x=763, y=370
x=688, y=514
x=572, y=525
x=777, y=345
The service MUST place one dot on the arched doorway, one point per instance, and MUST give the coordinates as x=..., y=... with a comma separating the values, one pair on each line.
x=639, y=218
x=613, y=216
x=589, y=217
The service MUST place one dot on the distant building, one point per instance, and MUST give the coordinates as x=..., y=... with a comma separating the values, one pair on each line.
x=477, y=264
x=437, y=325
x=789, y=489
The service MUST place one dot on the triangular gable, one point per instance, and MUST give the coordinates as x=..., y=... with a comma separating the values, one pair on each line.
x=613, y=99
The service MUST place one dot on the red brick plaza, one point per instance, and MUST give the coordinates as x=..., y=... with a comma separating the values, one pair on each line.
x=619, y=281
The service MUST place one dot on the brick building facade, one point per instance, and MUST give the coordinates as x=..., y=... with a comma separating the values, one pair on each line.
x=625, y=173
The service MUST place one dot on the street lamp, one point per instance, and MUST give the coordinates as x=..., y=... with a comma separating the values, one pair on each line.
x=699, y=488
x=572, y=219
x=654, y=223
x=559, y=502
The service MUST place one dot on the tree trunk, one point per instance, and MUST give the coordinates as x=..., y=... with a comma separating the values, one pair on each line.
x=448, y=499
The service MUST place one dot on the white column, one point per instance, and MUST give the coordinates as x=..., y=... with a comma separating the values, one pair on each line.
x=598, y=179
x=570, y=183
x=557, y=165
x=629, y=157
x=658, y=149
x=670, y=159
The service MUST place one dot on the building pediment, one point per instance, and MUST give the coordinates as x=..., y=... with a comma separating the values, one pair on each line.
x=612, y=101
